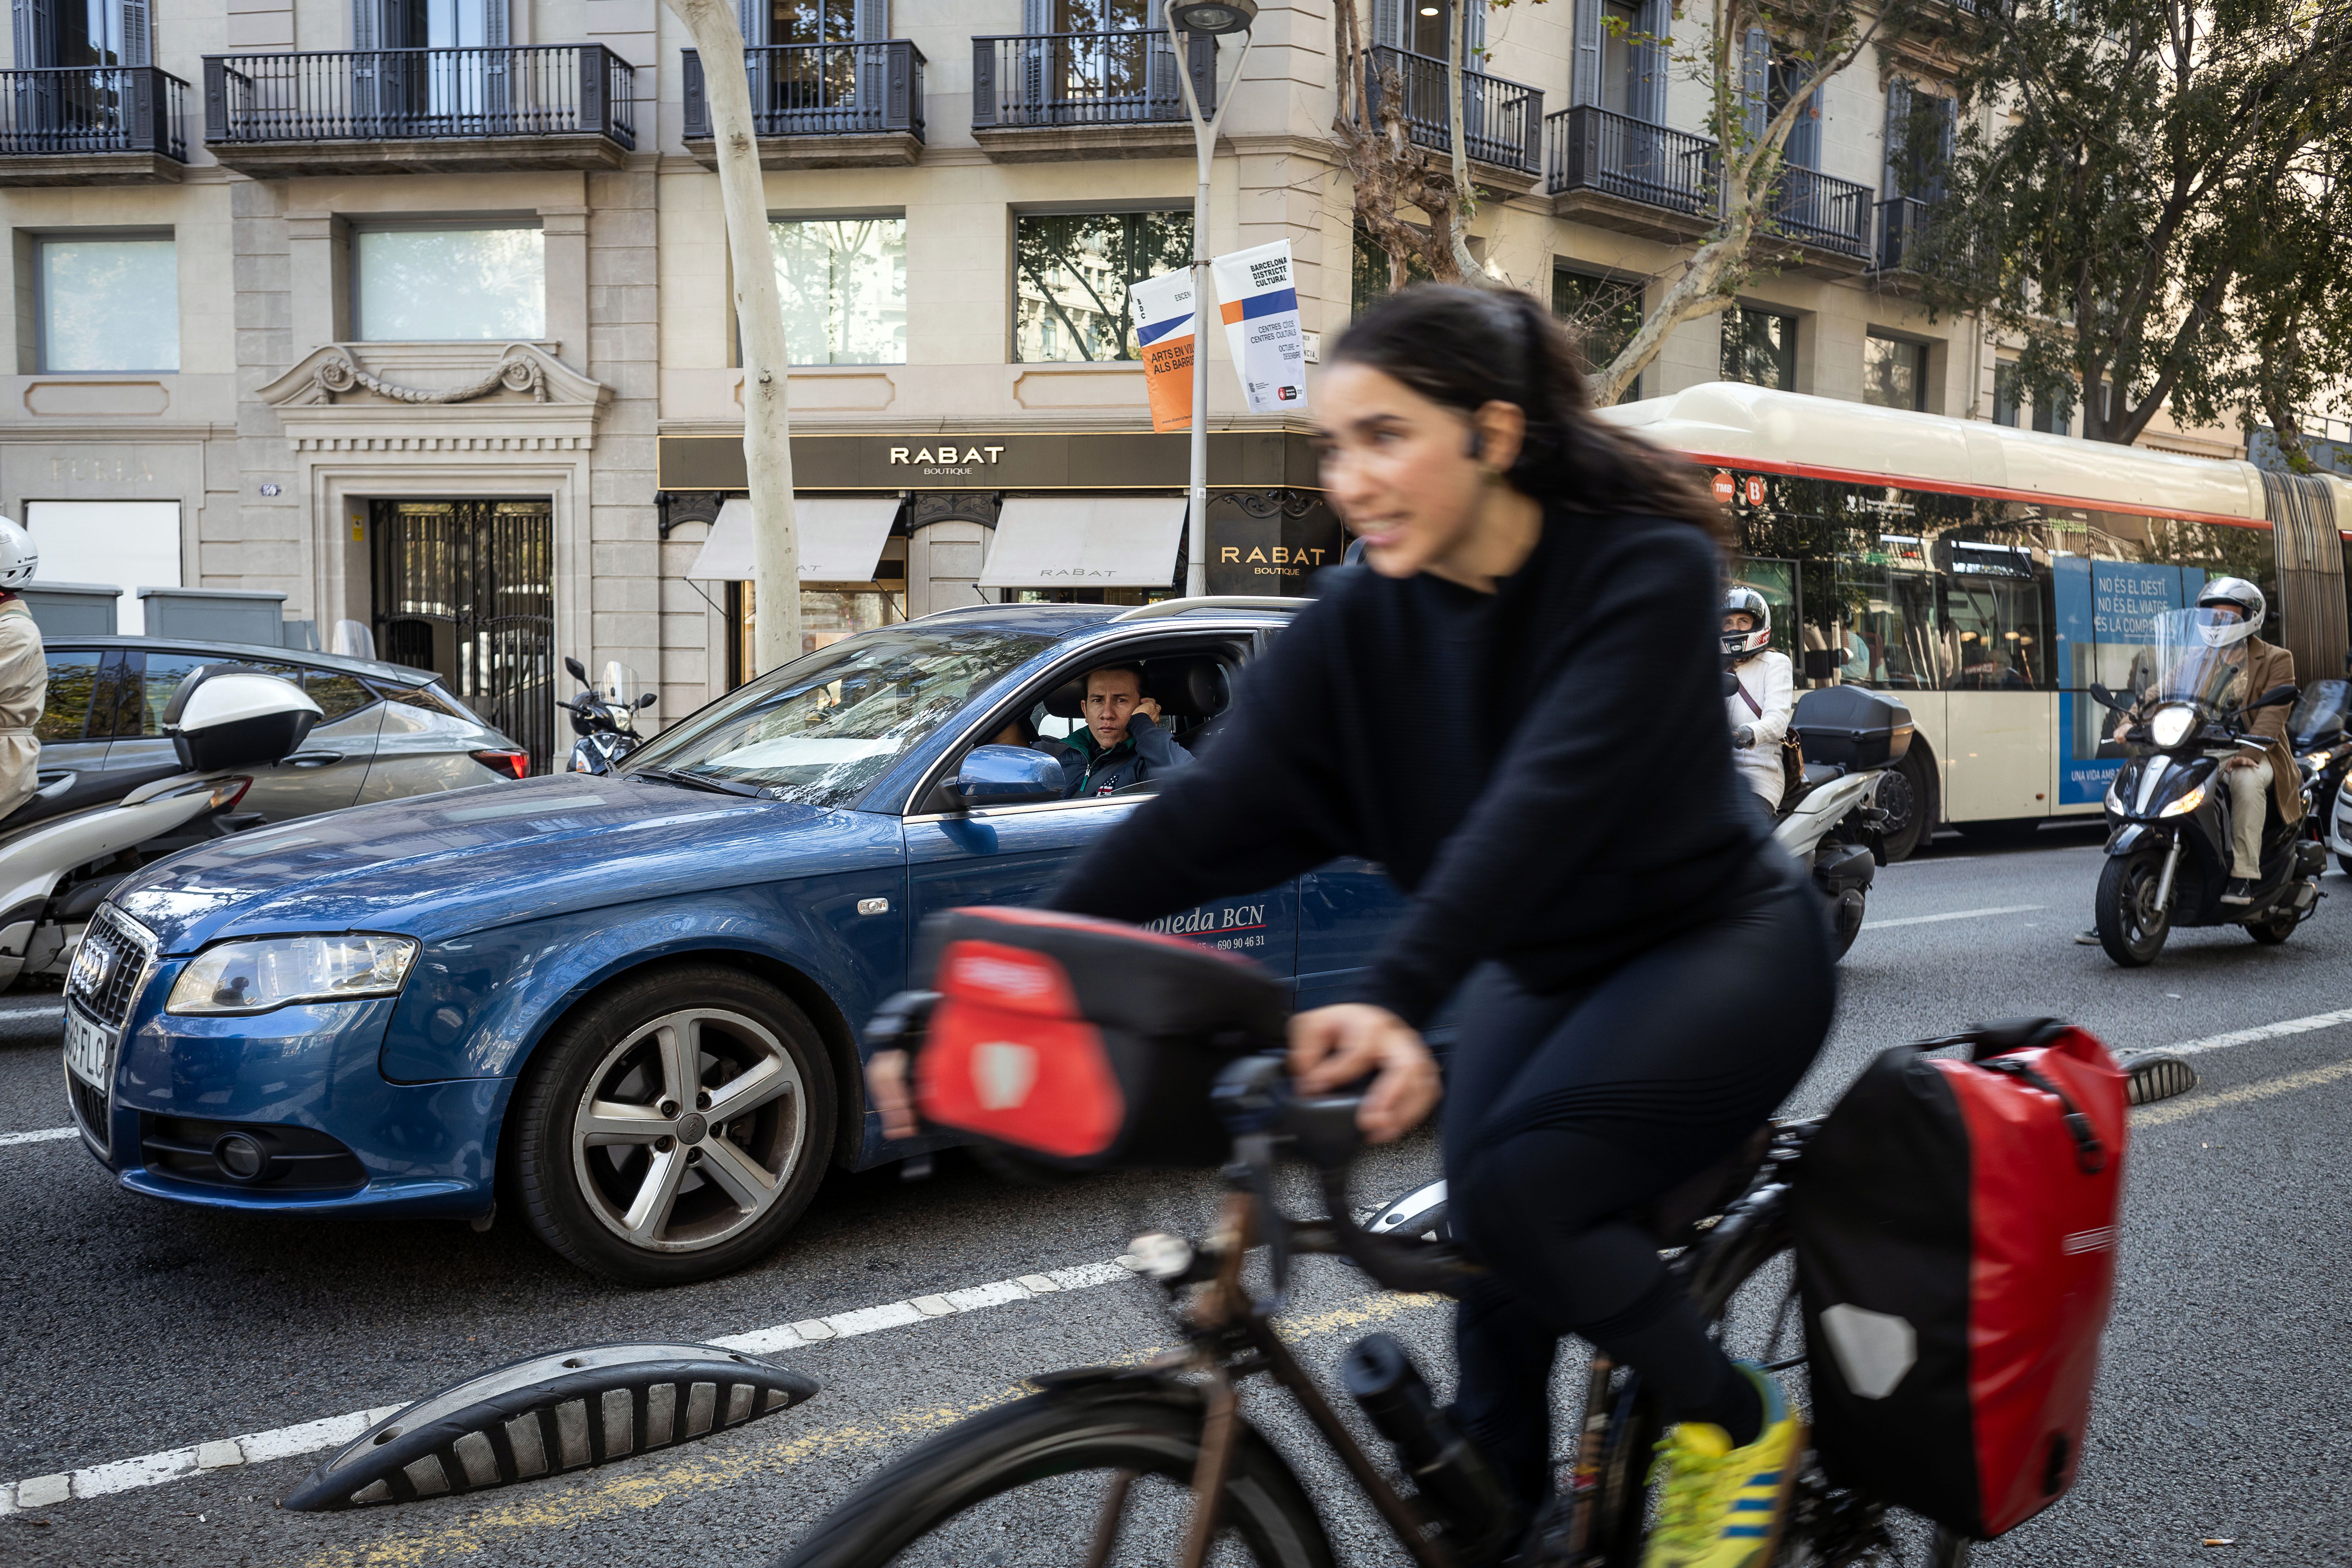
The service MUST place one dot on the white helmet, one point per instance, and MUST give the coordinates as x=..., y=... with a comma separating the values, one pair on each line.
x=1747, y=601
x=18, y=557
x=2230, y=592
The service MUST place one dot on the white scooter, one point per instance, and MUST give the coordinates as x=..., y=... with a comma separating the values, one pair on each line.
x=60, y=856
x=1852, y=738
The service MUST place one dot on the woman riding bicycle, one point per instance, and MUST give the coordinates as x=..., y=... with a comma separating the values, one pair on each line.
x=1515, y=705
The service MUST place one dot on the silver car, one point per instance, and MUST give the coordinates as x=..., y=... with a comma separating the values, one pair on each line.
x=385, y=731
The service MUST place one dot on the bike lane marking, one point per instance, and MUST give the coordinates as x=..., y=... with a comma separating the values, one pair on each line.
x=1869, y=925
x=311, y=1437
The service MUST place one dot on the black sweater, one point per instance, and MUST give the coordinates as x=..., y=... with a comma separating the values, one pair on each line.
x=1546, y=768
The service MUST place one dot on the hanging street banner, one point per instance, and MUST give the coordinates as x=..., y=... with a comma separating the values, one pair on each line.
x=1260, y=296
x=1164, y=335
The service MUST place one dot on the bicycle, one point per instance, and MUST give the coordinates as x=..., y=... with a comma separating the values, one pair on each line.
x=1105, y=1456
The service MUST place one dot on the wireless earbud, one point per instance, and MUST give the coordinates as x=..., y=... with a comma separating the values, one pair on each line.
x=1476, y=447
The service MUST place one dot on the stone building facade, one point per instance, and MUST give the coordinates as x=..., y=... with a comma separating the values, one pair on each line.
x=418, y=311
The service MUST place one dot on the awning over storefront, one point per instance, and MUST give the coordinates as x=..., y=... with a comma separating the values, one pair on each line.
x=840, y=540
x=1086, y=542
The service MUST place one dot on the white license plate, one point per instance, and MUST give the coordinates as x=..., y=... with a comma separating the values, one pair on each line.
x=89, y=1051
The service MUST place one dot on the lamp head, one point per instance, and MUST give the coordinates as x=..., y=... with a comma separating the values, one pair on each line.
x=1213, y=16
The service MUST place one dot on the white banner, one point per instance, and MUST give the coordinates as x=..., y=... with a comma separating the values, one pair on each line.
x=1260, y=298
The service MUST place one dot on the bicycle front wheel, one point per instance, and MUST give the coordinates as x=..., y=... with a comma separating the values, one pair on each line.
x=1083, y=1477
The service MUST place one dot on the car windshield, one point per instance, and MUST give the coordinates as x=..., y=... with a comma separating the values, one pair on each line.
x=822, y=727
x=2181, y=663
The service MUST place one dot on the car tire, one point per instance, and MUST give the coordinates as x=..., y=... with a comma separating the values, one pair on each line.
x=627, y=1173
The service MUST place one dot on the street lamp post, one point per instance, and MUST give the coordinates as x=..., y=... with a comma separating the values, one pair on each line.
x=1211, y=19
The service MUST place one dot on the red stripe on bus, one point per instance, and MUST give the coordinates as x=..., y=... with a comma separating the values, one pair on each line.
x=1944, y=487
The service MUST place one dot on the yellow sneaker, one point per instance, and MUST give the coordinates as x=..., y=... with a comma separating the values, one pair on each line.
x=1723, y=1506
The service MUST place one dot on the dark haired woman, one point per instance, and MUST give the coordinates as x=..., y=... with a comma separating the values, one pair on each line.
x=1517, y=706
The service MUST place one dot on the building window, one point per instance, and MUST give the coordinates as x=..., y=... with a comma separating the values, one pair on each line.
x=1894, y=372
x=1074, y=270
x=449, y=285
x=1759, y=347
x=813, y=22
x=110, y=304
x=2050, y=418
x=1602, y=314
x=843, y=286
x=2004, y=392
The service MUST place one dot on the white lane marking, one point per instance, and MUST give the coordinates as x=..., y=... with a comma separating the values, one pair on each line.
x=2264, y=1032
x=45, y=1135
x=332, y=1431
x=1869, y=925
x=310, y=1437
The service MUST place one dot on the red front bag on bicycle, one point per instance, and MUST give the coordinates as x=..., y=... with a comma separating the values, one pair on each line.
x=1084, y=1044
x=1954, y=1227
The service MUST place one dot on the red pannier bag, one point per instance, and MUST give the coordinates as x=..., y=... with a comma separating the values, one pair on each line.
x=1084, y=1044
x=1955, y=1229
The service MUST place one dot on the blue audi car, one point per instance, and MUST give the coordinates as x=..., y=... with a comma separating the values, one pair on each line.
x=633, y=1004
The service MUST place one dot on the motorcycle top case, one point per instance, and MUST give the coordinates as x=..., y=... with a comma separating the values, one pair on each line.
x=1852, y=725
x=1086, y=1044
x=1955, y=1228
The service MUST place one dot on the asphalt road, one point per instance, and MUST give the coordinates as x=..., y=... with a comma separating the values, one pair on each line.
x=135, y=1328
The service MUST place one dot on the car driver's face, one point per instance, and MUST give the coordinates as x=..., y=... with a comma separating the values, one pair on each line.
x=1111, y=701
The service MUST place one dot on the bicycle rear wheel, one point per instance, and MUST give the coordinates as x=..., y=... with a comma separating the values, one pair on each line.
x=1074, y=1477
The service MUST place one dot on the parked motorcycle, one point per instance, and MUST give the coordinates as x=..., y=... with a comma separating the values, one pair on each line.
x=2168, y=844
x=1830, y=821
x=62, y=851
x=2323, y=753
x=605, y=717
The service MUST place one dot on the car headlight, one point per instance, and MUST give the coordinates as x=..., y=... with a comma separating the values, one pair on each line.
x=2186, y=803
x=274, y=971
x=2171, y=724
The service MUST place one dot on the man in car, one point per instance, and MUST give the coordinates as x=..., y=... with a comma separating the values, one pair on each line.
x=1122, y=744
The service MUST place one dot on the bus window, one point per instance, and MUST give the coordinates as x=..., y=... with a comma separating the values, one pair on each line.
x=1776, y=581
x=1996, y=634
x=1886, y=634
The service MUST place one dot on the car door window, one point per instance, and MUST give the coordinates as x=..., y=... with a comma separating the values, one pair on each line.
x=145, y=689
x=339, y=696
x=73, y=690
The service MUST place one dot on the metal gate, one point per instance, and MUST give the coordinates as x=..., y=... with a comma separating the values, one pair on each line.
x=466, y=589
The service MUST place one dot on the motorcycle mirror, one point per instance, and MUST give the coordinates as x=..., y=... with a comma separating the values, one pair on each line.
x=579, y=671
x=2107, y=698
x=566, y=1410
x=2276, y=697
x=647, y=699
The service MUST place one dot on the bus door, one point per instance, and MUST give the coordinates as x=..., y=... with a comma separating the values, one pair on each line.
x=2001, y=702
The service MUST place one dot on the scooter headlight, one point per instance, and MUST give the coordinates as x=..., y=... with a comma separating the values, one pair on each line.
x=276, y=972
x=2314, y=760
x=2115, y=801
x=2171, y=724
x=2185, y=805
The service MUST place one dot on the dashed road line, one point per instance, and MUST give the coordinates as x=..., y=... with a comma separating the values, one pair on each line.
x=1869, y=925
x=2264, y=1032
x=45, y=1135
x=2262, y=1088
x=328, y=1432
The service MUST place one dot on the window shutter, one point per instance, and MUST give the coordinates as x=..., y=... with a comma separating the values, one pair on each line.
x=1650, y=63
x=36, y=35
x=365, y=32
x=1898, y=122
x=1477, y=19
x=751, y=15
x=1388, y=22
x=497, y=29
x=1947, y=117
x=1755, y=67
x=1036, y=16
x=1805, y=135
x=138, y=44
x=872, y=21
x=1584, y=84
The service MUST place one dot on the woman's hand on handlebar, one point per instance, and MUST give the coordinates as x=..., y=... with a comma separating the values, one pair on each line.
x=1338, y=1044
x=885, y=1082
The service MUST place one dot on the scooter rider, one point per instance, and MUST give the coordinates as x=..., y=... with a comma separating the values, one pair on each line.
x=2234, y=609
x=1764, y=697
x=23, y=671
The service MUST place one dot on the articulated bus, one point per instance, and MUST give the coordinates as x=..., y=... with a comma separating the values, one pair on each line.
x=1986, y=576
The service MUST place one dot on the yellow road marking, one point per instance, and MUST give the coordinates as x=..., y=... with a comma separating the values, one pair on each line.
x=611, y=1495
x=2263, y=1088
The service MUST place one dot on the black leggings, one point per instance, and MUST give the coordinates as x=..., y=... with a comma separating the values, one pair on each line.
x=1563, y=1112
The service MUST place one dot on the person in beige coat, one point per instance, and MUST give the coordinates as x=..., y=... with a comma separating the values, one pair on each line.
x=23, y=671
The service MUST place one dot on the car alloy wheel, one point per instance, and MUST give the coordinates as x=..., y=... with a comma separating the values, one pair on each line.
x=688, y=1131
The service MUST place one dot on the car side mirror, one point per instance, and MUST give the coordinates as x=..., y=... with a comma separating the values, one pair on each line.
x=1007, y=775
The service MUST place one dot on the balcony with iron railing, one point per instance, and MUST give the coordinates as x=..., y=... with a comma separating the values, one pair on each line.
x=1620, y=173
x=1049, y=96
x=93, y=125
x=1900, y=222
x=822, y=106
x=1502, y=122
x=383, y=112
x=1828, y=219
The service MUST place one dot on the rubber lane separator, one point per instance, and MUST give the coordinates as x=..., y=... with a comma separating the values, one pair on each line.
x=1869, y=925
x=45, y=1135
x=331, y=1431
